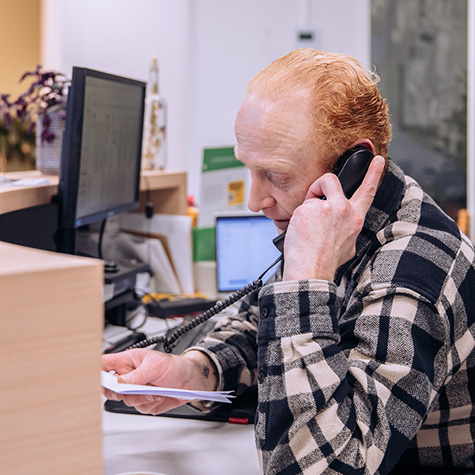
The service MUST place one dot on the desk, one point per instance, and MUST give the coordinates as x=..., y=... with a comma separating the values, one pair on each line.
x=51, y=312
x=177, y=446
x=171, y=445
x=29, y=217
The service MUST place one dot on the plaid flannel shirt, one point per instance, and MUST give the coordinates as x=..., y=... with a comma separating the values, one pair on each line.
x=378, y=366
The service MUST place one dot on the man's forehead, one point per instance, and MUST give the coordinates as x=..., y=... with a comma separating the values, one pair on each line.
x=263, y=113
x=261, y=104
x=275, y=136
x=254, y=110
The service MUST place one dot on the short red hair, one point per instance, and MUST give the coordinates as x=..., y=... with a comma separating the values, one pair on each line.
x=346, y=102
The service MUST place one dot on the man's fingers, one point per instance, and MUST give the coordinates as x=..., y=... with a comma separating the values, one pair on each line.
x=328, y=186
x=116, y=362
x=111, y=395
x=364, y=195
x=109, y=362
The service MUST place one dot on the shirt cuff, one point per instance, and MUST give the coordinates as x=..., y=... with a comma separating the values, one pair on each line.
x=298, y=306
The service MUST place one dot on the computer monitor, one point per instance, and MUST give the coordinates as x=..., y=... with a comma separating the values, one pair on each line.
x=101, y=152
x=244, y=249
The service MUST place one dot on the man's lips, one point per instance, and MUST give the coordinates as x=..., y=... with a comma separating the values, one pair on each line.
x=281, y=224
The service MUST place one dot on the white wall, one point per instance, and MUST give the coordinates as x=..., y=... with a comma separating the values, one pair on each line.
x=208, y=50
x=235, y=40
x=121, y=37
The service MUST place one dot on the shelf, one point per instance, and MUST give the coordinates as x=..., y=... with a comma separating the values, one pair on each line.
x=166, y=189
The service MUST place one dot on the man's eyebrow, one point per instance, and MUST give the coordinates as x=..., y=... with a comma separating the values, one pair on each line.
x=276, y=166
x=236, y=153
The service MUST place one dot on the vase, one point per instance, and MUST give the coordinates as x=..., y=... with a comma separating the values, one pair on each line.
x=48, y=154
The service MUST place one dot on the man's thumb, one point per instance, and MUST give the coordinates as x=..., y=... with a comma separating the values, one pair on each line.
x=134, y=377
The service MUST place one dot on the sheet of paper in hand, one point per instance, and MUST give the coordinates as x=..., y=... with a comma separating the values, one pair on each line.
x=109, y=381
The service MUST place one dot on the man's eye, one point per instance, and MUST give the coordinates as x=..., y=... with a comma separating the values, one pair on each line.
x=278, y=179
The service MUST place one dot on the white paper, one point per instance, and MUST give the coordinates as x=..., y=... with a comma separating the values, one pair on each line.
x=109, y=381
x=153, y=253
x=177, y=228
x=123, y=245
x=31, y=182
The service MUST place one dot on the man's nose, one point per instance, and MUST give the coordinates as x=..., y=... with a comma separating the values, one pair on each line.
x=259, y=198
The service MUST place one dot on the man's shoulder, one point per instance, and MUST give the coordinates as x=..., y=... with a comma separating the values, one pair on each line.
x=421, y=247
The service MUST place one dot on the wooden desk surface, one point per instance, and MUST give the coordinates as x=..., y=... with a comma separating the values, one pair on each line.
x=13, y=198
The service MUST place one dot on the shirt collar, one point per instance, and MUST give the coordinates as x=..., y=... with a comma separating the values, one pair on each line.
x=386, y=202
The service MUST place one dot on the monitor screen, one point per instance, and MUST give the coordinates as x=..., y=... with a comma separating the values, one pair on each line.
x=102, y=147
x=244, y=249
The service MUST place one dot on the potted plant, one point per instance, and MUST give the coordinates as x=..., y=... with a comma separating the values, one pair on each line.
x=41, y=108
x=17, y=147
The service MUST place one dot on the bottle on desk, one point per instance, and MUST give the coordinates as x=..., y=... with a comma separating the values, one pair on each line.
x=154, y=149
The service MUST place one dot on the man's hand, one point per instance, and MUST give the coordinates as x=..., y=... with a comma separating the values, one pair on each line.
x=322, y=233
x=193, y=370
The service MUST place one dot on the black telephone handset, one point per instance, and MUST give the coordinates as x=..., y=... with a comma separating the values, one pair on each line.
x=351, y=168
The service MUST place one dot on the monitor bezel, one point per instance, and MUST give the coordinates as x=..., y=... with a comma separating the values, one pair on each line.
x=72, y=147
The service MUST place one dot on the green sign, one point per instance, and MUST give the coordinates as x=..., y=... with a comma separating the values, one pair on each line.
x=204, y=244
x=220, y=159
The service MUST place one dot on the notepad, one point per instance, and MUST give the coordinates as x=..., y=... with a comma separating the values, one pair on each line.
x=109, y=381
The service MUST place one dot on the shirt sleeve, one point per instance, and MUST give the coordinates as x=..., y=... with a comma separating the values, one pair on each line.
x=232, y=346
x=343, y=393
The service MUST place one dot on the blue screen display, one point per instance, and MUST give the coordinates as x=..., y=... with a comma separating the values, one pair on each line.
x=244, y=249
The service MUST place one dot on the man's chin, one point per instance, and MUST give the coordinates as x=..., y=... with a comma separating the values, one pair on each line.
x=281, y=224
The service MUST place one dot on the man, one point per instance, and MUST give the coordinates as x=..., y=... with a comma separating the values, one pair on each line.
x=363, y=346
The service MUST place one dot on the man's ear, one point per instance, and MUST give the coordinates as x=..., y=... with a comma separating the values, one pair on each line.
x=364, y=143
x=368, y=144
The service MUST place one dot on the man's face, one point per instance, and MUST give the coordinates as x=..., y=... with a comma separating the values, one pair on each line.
x=274, y=142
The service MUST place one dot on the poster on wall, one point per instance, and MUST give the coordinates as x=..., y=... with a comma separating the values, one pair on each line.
x=224, y=184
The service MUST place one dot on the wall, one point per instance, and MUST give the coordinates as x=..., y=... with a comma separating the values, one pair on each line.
x=20, y=45
x=121, y=37
x=235, y=40
x=207, y=50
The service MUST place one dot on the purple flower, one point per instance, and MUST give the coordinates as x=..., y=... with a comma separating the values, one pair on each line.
x=21, y=112
x=7, y=120
x=46, y=121
x=47, y=136
x=48, y=89
x=4, y=98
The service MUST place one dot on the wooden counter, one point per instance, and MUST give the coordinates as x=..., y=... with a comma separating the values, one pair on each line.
x=52, y=317
x=50, y=345
x=14, y=198
x=166, y=189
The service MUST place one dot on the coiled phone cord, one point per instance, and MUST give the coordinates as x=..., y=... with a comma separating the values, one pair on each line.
x=351, y=169
x=170, y=341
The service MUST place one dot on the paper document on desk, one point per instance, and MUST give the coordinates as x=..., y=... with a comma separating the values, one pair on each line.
x=178, y=231
x=31, y=181
x=109, y=381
